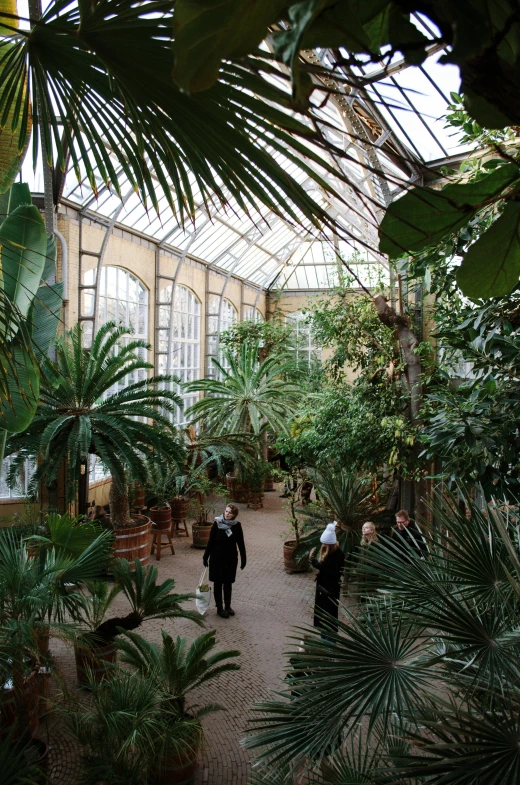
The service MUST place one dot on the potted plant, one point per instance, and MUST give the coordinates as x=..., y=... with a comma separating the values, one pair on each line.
x=206, y=497
x=159, y=486
x=125, y=728
x=95, y=648
x=34, y=595
x=179, y=499
x=132, y=531
x=176, y=669
x=290, y=562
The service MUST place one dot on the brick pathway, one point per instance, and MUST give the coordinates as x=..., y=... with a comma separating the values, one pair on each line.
x=267, y=601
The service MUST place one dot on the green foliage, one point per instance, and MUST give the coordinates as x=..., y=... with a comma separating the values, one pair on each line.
x=272, y=337
x=29, y=308
x=80, y=415
x=125, y=728
x=347, y=498
x=213, y=148
x=471, y=425
x=147, y=599
x=249, y=396
x=69, y=535
x=177, y=668
x=428, y=669
x=18, y=763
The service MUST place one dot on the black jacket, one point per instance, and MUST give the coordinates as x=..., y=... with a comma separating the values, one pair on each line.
x=328, y=586
x=412, y=537
x=222, y=553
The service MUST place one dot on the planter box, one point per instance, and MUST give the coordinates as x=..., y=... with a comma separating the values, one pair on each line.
x=92, y=661
x=31, y=698
x=161, y=517
x=289, y=563
x=238, y=491
x=135, y=541
x=200, y=533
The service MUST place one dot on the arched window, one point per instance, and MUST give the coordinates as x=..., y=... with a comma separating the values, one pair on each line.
x=179, y=353
x=252, y=314
x=307, y=353
x=123, y=299
x=228, y=317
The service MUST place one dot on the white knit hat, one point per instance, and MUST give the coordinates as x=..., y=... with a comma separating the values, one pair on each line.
x=329, y=535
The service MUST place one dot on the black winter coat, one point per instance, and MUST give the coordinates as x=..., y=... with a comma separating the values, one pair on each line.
x=328, y=586
x=221, y=551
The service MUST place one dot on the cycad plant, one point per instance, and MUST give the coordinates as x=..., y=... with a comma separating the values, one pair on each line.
x=250, y=396
x=123, y=728
x=347, y=497
x=429, y=669
x=177, y=667
x=84, y=411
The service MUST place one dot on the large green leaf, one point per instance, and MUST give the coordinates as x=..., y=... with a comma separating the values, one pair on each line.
x=423, y=217
x=491, y=266
x=207, y=31
x=23, y=246
x=18, y=407
x=44, y=317
x=18, y=194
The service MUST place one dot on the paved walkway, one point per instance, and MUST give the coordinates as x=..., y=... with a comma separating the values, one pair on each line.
x=267, y=601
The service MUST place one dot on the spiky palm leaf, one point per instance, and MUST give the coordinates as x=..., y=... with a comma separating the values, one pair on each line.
x=80, y=415
x=100, y=82
x=348, y=499
x=178, y=668
x=445, y=669
x=249, y=396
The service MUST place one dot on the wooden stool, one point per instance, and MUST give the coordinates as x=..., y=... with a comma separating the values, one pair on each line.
x=180, y=525
x=157, y=541
x=255, y=500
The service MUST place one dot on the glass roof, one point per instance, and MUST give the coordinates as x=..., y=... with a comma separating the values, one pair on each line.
x=388, y=131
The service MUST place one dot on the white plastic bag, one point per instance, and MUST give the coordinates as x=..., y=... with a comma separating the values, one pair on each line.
x=203, y=593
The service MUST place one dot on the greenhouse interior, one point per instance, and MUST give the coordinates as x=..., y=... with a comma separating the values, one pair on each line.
x=260, y=309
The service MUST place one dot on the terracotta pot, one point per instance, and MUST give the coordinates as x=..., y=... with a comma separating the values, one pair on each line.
x=135, y=541
x=44, y=677
x=177, y=769
x=95, y=661
x=39, y=754
x=289, y=563
x=200, y=533
x=9, y=703
x=238, y=491
x=269, y=483
x=180, y=507
x=161, y=517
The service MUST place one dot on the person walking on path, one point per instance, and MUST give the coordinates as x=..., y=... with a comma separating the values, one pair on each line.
x=328, y=580
x=408, y=537
x=225, y=538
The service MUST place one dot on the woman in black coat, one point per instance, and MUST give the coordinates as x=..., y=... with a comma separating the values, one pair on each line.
x=328, y=580
x=225, y=538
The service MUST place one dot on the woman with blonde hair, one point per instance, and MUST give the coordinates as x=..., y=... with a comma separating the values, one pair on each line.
x=366, y=580
x=328, y=580
x=368, y=534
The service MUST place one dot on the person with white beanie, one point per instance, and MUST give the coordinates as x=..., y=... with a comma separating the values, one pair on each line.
x=328, y=580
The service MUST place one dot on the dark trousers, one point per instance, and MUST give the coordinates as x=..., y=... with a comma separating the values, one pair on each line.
x=217, y=590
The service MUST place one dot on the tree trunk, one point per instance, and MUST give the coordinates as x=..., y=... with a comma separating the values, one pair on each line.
x=413, y=373
x=83, y=489
x=119, y=506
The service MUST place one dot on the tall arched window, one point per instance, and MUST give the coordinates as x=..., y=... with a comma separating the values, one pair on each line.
x=252, y=314
x=179, y=353
x=307, y=353
x=228, y=317
x=122, y=299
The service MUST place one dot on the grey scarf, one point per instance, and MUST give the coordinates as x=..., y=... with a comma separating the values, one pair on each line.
x=225, y=525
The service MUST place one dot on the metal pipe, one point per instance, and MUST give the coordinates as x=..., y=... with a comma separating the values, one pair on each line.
x=64, y=264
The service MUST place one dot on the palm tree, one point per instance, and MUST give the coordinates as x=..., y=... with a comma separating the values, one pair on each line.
x=249, y=396
x=100, y=75
x=348, y=498
x=430, y=668
x=80, y=414
x=177, y=668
